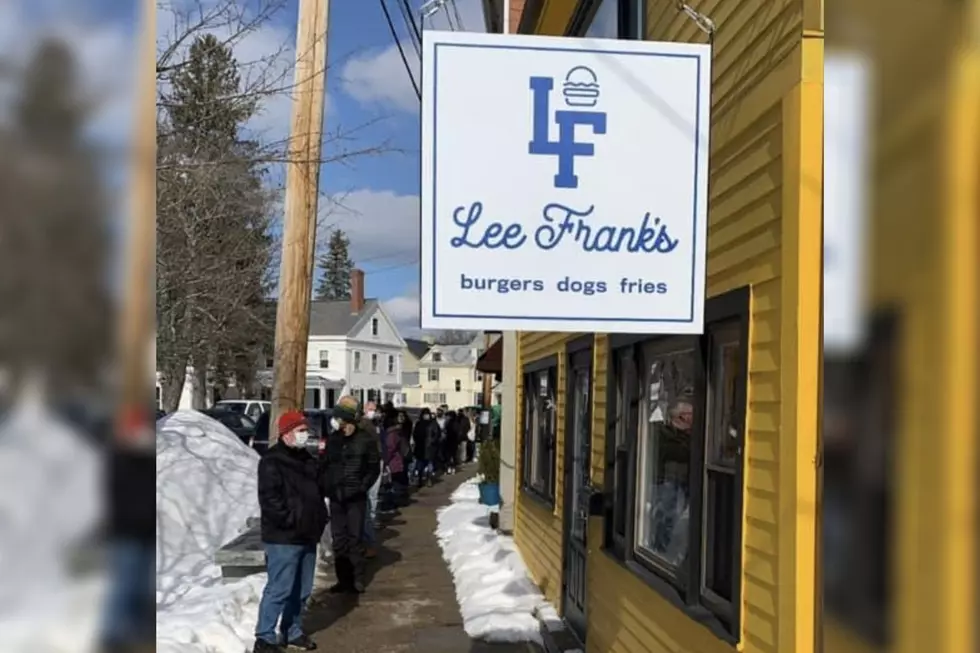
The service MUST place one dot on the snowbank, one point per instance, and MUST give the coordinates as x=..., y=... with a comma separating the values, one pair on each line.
x=497, y=600
x=206, y=489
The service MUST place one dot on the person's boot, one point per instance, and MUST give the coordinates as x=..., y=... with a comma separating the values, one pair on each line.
x=262, y=646
x=358, y=587
x=339, y=588
x=302, y=643
x=371, y=553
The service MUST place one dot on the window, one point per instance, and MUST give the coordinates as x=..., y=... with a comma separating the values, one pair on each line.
x=498, y=398
x=436, y=357
x=540, y=397
x=324, y=359
x=374, y=363
x=674, y=470
x=391, y=364
x=459, y=385
x=374, y=326
x=270, y=362
x=608, y=19
x=433, y=374
x=438, y=398
x=357, y=361
x=477, y=398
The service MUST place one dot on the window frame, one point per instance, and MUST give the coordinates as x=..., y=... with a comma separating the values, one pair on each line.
x=630, y=14
x=374, y=363
x=375, y=327
x=321, y=354
x=683, y=589
x=429, y=376
x=392, y=369
x=357, y=361
x=547, y=493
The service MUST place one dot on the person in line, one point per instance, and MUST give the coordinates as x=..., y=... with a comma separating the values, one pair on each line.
x=467, y=430
x=293, y=516
x=405, y=423
x=425, y=444
x=395, y=453
x=352, y=466
x=369, y=423
x=451, y=442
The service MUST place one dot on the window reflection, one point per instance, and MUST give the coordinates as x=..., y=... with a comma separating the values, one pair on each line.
x=605, y=24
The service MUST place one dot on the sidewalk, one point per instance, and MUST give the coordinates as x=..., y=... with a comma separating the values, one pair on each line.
x=410, y=603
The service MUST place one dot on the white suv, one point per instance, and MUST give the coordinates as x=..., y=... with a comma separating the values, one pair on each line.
x=250, y=407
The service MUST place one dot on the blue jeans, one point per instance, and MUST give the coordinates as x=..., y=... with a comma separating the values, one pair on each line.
x=372, y=511
x=126, y=615
x=291, y=570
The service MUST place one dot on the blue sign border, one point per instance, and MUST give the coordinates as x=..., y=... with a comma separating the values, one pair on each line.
x=435, y=212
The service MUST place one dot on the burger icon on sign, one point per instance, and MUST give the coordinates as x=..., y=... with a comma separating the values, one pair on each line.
x=581, y=87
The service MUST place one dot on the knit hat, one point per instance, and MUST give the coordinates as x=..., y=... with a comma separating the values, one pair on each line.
x=346, y=409
x=290, y=420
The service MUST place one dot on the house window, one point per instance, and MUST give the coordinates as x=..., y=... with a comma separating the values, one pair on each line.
x=391, y=364
x=433, y=374
x=436, y=357
x=459, y=385
x=477, y=398
x=374, y=363
x=477, y=376
x=674, y=470
x=270, y=362
x=608, y=19
x=437, y=398
x=324, y=359
x=498, y=398
x=357, y=361
x=374, y=326
x=540, y=410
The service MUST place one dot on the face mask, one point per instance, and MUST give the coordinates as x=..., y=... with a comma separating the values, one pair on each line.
x=370, y=414
x=334, y=424
x=301, y=437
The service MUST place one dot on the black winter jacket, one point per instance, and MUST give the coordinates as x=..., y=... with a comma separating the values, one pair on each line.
x=425, y=440
x=352, y=465
x=291, y=497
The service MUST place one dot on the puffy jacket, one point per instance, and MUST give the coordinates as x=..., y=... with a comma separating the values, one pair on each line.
x=351, y=466
x=291, y=497
x=425, y=439
x=393, y=455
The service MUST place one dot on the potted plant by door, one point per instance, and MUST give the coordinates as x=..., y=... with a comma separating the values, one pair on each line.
x=489, y=469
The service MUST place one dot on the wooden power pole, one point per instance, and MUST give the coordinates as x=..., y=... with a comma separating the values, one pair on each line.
x=299, y=228
x=136, y=314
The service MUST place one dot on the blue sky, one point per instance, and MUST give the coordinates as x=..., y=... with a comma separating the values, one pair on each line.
x=369, y=98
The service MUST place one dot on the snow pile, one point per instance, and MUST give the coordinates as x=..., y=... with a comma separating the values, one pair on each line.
x=206, y=490
x=497, y=599
x=50, y=503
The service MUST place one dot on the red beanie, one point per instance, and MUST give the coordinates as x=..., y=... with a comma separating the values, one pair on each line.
x=290, y=420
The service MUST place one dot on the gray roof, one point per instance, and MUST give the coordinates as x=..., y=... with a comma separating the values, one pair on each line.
x=454, y=355
x=334, y=318
x=417, y=347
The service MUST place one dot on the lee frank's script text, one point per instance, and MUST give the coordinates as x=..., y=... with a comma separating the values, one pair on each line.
x=561, y=223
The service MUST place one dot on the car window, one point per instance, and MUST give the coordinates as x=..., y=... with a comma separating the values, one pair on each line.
x=231, y=420
x=247, y=422
x=233, y=407
x=254, y=410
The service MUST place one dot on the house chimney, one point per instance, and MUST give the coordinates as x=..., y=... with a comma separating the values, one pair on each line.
x=356, y=291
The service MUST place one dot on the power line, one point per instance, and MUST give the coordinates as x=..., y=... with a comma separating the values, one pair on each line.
x=459, y=19
x=401, y=50
x=414, y=28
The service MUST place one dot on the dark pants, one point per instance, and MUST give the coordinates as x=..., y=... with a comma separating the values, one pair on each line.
x=470, y=450
x=347, y=532
x=128, y=615
x=291, y=570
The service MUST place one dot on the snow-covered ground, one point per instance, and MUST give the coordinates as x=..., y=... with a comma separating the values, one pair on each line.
x=206, y=489
x=497, y=599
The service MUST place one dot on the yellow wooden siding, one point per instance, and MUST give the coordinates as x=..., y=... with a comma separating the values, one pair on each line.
x=538, y=528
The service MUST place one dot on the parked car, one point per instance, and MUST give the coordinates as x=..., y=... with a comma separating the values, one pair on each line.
x=253, y=408
x=319, y=421
x=240, y=425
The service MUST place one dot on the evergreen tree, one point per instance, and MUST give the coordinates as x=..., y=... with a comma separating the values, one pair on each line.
x=336, y=265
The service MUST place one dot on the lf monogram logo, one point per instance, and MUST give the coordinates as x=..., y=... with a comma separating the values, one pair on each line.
x=581, y=89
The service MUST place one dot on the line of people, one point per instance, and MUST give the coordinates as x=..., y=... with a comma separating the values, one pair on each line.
x=369, y=458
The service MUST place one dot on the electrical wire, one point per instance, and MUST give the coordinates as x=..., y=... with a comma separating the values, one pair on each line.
x=459, y=19
x=413, y=27
x=401, y=50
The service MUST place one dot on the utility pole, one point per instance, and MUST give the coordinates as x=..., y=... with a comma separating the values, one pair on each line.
x=299, y=227
x=137, y=311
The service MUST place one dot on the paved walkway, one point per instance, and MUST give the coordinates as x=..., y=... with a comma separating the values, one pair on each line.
x=410, y=603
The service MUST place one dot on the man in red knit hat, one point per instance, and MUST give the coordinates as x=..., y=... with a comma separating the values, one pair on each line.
x=294, y=514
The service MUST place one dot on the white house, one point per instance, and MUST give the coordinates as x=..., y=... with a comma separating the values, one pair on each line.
x=448, y=375
x=412, y=355
x=354, y=349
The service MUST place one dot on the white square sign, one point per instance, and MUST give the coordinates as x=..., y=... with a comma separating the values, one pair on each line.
x=564, y=183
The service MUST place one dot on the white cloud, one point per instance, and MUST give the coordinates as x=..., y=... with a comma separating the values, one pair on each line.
x=404, y=312
x=379, y=77
x=383, y=227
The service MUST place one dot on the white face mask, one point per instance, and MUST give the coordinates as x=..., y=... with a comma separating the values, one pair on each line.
x=302, y=436
x=370, y=414
x=334, y=424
